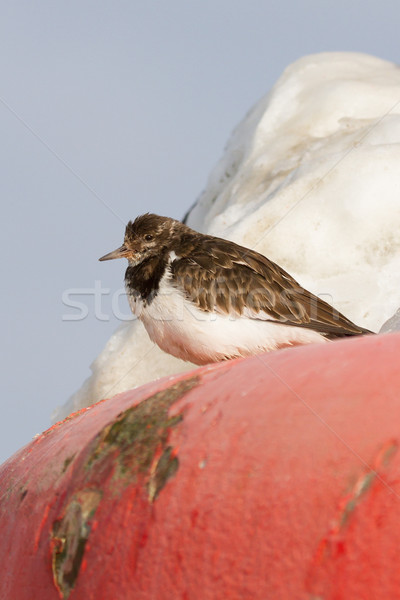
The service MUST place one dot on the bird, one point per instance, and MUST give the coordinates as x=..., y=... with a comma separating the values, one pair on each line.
x=206, y=299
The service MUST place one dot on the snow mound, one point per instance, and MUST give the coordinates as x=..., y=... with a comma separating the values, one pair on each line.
x=311, y=179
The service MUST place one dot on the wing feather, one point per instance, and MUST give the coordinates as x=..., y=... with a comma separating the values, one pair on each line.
x=220, y=276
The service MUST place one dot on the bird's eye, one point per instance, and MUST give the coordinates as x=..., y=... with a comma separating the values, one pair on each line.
x=148, y=237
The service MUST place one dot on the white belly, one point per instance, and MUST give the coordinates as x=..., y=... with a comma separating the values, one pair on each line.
x=189, y=333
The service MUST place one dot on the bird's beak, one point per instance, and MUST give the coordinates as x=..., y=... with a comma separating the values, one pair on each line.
x=118, y=253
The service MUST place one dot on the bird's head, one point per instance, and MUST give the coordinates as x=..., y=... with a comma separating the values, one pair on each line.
x=147, y=236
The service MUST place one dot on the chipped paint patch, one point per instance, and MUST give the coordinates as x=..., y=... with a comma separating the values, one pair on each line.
x=138, y=436
x=67, y=462
x=165, y=468
x=69, y=537
x=24, y=492
x=132, y=449
x=333, y=544
x=359, y=489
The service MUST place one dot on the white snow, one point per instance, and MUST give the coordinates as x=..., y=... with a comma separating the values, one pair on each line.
x=310, y=178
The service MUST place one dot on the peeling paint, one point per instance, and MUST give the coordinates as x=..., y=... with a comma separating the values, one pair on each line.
x=363, y=483
x=165, y=468
x=133, y=448
x=134, y=438
x=333, y=543
x=69, y=537
x=67, y=462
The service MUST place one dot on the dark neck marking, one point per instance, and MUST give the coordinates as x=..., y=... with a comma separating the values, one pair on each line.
x=144, y=279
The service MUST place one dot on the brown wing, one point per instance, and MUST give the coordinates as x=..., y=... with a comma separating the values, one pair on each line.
x=220, y=276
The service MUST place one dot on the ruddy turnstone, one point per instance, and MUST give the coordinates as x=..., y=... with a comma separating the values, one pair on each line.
x=206, y=299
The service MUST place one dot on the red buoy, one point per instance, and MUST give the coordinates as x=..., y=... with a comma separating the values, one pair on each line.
x=273, y=477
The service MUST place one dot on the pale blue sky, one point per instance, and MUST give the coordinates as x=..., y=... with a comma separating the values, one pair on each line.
x=110, y=109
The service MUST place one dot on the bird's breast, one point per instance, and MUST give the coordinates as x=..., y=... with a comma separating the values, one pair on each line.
x=142, y=282
x=135, y=301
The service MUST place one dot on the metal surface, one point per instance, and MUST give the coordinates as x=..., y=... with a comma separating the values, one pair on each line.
x=274, y=477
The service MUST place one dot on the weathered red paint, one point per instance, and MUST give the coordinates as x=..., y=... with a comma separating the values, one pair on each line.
x=287, y=486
